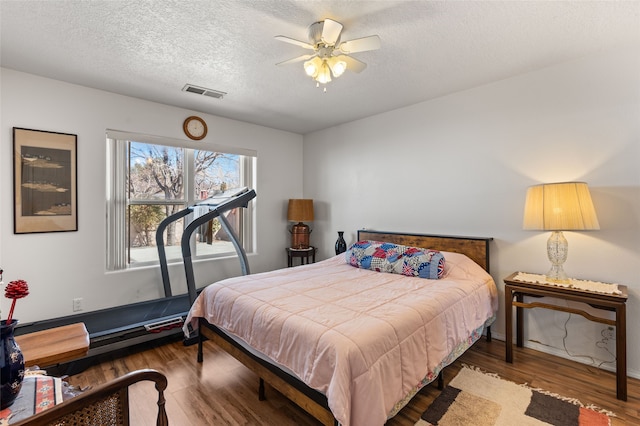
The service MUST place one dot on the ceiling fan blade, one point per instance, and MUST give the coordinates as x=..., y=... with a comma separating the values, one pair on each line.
x=360, y=44
x=331, y=31
x=298, y=59
x=294, y=41
x=352, y=63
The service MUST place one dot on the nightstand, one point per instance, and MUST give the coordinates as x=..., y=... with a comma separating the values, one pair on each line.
x=519, y=288
x=303, y=254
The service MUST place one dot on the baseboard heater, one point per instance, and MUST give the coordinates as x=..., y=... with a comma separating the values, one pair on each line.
x=169, y=324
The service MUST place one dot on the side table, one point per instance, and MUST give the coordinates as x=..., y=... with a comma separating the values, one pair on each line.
x=303, y=254
x=604, y=301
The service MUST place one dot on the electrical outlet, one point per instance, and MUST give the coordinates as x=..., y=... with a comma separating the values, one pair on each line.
x=77, y=304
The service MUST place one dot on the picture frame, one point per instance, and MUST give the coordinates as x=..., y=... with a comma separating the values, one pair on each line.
x=45, y=182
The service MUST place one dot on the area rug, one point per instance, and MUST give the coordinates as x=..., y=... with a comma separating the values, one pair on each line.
x=482, y=399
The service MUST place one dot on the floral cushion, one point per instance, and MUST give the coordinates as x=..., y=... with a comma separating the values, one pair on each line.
x=396, y=259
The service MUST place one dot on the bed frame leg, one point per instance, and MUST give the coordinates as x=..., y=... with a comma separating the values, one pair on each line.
x=261, y=395
x=440, y=380
x=200, y=339
x=489, y=334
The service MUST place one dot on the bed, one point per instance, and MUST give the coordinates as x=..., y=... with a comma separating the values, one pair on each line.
x=351, y=345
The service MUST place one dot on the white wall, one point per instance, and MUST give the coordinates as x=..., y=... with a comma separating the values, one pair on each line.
x=460, y=165
x=63, y=266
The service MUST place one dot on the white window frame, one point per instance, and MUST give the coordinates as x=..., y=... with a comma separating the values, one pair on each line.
x=117, y=202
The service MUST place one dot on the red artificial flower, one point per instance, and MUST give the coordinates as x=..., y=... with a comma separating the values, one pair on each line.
x=15, y=290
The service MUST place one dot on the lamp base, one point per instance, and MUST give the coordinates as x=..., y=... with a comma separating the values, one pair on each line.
x=300, y=236
x=557, y=275
x=557, y=251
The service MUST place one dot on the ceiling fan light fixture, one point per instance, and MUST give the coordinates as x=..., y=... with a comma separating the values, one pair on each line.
x=324, y=73
x=312, y=67
x=330, y=55
x=337, y=66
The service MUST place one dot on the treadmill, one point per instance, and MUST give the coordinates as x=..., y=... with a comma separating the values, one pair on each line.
x=127, y=325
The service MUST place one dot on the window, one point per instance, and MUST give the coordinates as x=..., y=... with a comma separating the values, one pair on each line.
x=151, y=178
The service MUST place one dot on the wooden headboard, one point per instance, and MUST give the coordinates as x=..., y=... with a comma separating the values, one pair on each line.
x=476, y=248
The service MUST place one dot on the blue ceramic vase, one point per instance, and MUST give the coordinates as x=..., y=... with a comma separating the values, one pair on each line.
x=11, y=363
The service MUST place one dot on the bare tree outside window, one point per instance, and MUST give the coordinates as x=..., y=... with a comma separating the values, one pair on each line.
x=156, y=188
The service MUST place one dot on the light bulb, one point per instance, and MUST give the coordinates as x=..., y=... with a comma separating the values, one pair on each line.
x=338, y=68
x=310, y=68
x=324, y=74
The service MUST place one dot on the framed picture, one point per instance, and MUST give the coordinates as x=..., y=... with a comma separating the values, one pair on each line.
x=44, y=181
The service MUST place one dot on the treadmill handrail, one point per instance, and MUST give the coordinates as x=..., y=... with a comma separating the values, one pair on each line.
x=241, y=200
x=162, y=254
x=235, y=240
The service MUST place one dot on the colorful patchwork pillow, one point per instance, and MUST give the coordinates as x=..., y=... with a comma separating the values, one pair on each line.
x=396, y=259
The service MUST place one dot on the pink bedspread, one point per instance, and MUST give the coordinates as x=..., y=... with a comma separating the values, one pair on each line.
x=365, y=339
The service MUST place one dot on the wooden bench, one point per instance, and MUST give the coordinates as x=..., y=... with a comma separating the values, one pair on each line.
x=55, y=345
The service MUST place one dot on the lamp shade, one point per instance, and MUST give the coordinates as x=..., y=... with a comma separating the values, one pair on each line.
x=300, y=210
x=564, y=206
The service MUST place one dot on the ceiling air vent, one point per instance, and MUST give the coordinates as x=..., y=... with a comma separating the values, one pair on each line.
x=203, y=91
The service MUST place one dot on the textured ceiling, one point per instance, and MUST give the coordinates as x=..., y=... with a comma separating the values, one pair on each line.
x=151, y=49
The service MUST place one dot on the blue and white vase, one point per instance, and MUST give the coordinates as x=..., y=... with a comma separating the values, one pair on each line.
x=11, y=364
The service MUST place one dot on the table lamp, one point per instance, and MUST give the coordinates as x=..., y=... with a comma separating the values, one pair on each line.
x=558, y=207
x=300, y=210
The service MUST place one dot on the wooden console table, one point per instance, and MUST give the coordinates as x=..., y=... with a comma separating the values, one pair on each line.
x=55, y=345
x=604, y=301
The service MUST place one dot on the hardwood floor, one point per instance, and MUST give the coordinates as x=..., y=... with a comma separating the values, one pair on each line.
x=221, y=391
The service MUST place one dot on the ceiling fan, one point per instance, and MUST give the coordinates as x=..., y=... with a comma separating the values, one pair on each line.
x=330, y=56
